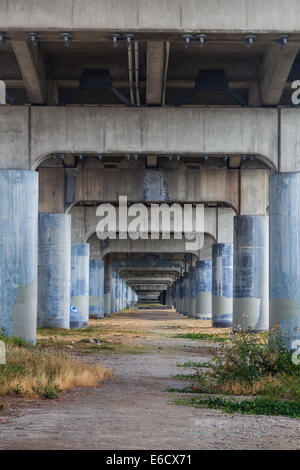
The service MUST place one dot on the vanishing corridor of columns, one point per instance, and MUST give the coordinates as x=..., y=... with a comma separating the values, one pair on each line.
x=149, y=109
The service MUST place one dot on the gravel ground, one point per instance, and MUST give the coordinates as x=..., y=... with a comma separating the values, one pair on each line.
x=134, y=411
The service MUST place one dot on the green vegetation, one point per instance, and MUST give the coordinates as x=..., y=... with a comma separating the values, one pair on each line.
x=258, y=366
x=201, y=336
x=196, y=365
x=257, y=406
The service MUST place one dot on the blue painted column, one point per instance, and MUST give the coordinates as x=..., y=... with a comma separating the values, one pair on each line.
x=80, y=265
x=54, y=275
x=178, y=308
x=113, y=303
x=96, y=309
x=118, y=292
x=222, y=280
x=172, y=295
x=18, y=252
x=107, y=283
x=186, y=293
x=192, y=291
x=250, y=274
x=204, y=289
x=181, y=295
x=284, y=214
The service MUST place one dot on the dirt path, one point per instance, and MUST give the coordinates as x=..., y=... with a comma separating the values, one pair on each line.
x=135, y=412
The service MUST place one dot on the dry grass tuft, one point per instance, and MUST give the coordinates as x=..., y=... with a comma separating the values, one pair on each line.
x=30, y=372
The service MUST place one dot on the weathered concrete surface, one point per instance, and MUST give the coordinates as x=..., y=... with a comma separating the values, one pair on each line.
x=203, y=290
x=134, y=411
x=96, y=288
x=158, y=15
x=290, y=140
x=119, y=130
x=54, y=271
x=222, y=280
x=80, y=264
x=285, y=255
x=250, y=273
x=18, y=252
x=136, y=130
x=14, y=141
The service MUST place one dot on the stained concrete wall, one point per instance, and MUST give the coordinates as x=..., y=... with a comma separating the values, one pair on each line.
x=169, y=130
x=218, y=223
x=29, y=134
x=157, y=15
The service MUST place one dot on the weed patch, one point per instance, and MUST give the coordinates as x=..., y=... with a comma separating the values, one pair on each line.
x=259, y=366
x=201, y=336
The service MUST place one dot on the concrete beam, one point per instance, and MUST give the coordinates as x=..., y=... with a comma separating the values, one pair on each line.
x=157, y=15
x=155, y=71
x=275, y=68
x=31, y=65
x=153, y=130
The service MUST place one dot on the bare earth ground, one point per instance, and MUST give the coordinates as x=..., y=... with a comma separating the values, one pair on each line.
x=134, y=411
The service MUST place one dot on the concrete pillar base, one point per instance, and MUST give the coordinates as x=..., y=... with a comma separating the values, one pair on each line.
x=80, y=263
x=250, y=274
x=284, y=214
x=54, y=281
x=222, y=280
x=18, y=252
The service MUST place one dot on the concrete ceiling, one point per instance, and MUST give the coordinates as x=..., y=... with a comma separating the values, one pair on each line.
x=49, y=71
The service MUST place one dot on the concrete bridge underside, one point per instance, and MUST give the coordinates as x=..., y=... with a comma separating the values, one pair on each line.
x=155, y=125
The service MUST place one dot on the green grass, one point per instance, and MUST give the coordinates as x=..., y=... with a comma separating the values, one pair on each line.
x=206, y=365
x=257, y=406
x=201, y=336
x=256, y=366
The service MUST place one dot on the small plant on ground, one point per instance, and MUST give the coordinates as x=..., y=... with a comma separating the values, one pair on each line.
x=202, y=336
x=250, y=365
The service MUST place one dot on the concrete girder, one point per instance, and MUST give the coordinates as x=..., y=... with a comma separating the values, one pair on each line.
x=155, y=71
x=164, y=16
x=145, y=131
x=275, y=68
x=32, y=68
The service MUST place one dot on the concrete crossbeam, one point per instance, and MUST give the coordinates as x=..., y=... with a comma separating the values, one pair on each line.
x=157, y=15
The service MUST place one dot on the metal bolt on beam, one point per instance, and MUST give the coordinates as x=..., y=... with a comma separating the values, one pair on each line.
x=34, y=37
x=201, y=38
x=115, y=38
x=187, y=39
x=250, y=40
x=283, y=40
x=67, y=37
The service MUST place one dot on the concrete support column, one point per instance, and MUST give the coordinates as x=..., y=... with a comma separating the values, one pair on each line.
x=18, y=252
x=117, y=292
x=80, y=266
x=96, y=288
x=181, y=295
x=222, y=280
x=54, y=275
x=250, y=274
x=172, y=295
x=285, y=255
x=107, y=283
x=186, y=293
x=192, y=291
x=113, y=300
x=204, y=288
x=175, y=293
x=167, y=296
